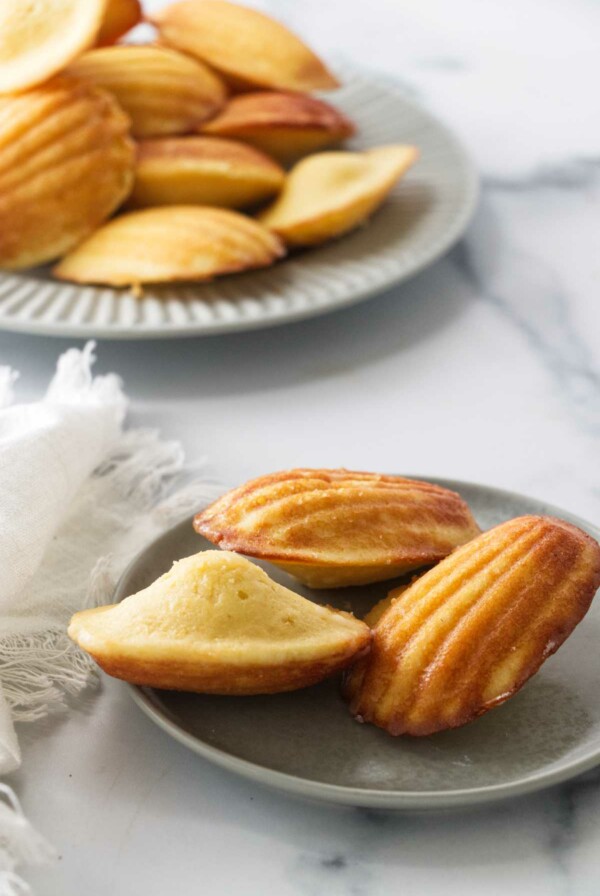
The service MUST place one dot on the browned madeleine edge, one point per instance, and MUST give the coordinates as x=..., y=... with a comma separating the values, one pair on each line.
x=584, y=594
x=282, y=109
x=210, y=523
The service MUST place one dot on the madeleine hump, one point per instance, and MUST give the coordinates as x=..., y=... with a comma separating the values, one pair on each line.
x=470, y=632
x=247, y=48
x=285, y=125
x=331, y=528
x=331, y=193
x=162, y=91
x=216, y=623
x=203, y=171
x=38, y=39
x=175, y=242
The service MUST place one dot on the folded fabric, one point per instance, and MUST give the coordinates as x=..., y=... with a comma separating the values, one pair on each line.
x=79, y=497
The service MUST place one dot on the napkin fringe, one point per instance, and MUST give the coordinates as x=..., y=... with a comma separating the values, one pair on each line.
x=140, y=489
x=39, y=670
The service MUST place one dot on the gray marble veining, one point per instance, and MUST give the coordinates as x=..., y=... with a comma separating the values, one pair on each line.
x=485, y=367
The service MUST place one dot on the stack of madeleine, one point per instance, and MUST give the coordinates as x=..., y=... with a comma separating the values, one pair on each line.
x=207, y=144
x=482, y=612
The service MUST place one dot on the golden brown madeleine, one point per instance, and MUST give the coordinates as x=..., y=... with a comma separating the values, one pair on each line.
x=203, y=171
x=331, y=528
x=248, y=48
x=38, y=39
x=376, y=612
x=160, y=245
x=120, y=17
x=285, y=125
x=163, y=92
x=66, y=163
x=330, y=193
x=470, y=632
x=216, y=623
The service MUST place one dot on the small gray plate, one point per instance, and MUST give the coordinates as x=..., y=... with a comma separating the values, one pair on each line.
x=306, y=742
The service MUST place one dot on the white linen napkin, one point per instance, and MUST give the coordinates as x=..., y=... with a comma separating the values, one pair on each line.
x=79, y=497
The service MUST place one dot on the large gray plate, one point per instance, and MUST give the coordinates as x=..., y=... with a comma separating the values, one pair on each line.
x=306, y=742
x=425, y=214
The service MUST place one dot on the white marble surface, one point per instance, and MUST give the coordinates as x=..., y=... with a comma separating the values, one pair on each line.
x=485, y=367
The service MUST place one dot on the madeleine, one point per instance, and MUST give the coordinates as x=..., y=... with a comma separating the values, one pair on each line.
x=284, y=125
x=161, y=245
x=248, y=48
x=470, y=632
x=203, y=171
x=216, y=623
x=331, y=193
x=120, y=17
x=38, y=39
x=66, y=163
x=162, y=91
x=331, y=528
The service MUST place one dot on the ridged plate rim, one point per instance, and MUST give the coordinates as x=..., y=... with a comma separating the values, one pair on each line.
x=29, y=304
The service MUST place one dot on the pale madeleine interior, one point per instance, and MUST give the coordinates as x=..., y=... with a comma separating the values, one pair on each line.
x=216, y=606
x=38, y=39
x=331, y=181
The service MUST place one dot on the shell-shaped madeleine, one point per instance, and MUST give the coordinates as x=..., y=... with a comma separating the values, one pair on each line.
x=203, y=171
x=471, y=631
x=162, y=91
x=120, y=17
x=332, y=528
x=285, y=125
x=248, y=48
x=66, y=163
x=39, y=39
x=330, y=193
x=216, y=623
x=159, y=245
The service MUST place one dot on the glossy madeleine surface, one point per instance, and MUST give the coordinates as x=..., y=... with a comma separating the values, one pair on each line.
x=247, y=47
x=163, y=92
x=331, y=528
x=171, y=243
x=376, y=612
x=330, y=193
x=470, y=632
x=285, y=125
x=216, y=623
x=203, y=171
x=37, y=39
x=66, y=163
x=120, y=17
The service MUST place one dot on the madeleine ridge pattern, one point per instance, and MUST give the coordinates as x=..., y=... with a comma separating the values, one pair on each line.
x=66, y=163
x=470, y=632
x=339, y=521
